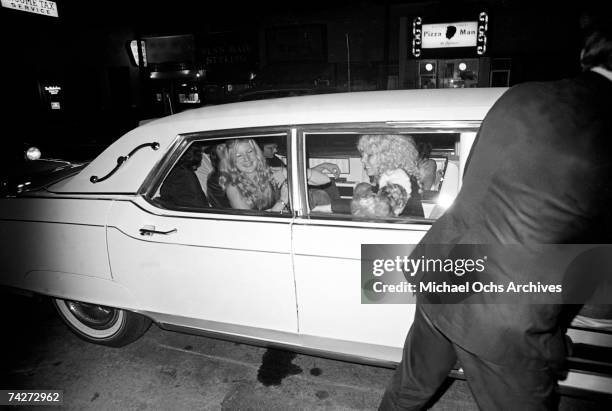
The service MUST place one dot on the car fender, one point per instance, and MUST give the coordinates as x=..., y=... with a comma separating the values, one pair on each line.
x=79, y=287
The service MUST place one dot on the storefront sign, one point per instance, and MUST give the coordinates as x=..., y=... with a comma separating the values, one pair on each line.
x=164, y=49
x=134, y=52
x=51, y=94
x=44, y=7
x=53, y=90
x=460, y=34
x=230, y=57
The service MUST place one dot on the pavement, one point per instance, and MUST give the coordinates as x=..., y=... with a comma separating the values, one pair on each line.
x=172, y=371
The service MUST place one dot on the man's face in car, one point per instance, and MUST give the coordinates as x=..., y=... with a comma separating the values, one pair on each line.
x=269, y=150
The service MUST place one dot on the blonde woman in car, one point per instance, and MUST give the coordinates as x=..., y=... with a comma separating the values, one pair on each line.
x=249, y=183
x=391, y=162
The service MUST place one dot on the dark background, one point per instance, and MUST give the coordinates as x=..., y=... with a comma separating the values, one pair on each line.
x=237, y=47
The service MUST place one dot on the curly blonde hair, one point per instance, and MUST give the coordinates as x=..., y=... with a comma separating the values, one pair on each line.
x=391, y=152
x=257, y=192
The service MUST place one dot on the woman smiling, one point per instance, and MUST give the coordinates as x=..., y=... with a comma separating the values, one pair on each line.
x=250, y=183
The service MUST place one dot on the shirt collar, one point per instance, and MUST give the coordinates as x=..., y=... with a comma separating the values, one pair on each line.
x=604, y=72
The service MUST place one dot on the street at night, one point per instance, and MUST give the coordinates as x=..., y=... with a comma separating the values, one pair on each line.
x=319, y=205
x=173, y=371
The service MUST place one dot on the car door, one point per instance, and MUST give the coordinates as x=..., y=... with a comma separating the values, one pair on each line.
x=214, y=269
x=327, y=243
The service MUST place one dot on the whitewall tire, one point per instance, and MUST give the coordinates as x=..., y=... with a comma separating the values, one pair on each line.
x=100, y=324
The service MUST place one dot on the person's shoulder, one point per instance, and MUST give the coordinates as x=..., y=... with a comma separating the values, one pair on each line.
x=175, y=180
x=213, y=177
x=554, y=89
x=178, y=173
x=275, y=162
x=529, y=99
x=597, y=82
x=398, y=173
x=531, y=89
x=397, y=176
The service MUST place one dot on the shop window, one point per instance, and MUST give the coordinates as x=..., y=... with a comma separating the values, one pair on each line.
x=456, y=73
x=500, y=78
x=460, y=73
x=428, y=72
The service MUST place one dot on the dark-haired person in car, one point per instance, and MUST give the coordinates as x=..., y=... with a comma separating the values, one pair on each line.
x=216, y=192
x=182, y=188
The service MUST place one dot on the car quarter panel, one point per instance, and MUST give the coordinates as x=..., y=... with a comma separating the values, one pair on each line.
x=45, y=238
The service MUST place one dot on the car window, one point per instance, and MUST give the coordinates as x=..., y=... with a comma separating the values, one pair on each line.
x=237, y=174
x=401, y=176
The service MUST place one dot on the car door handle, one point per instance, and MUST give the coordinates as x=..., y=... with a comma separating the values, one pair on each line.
x=150, y=230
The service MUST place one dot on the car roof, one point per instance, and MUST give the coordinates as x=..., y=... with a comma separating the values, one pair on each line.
x=388, y=105
x=356, y=107
x=255, y=94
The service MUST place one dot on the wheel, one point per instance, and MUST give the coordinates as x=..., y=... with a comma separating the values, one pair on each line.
x=102, y=325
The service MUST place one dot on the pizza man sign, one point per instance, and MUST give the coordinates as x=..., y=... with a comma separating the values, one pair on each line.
x=461, y=34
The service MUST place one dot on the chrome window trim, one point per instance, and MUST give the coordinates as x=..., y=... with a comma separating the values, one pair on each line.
x=446, y=126
x=347, y=220
x=212, y=214
x=462, y=125
x=301, y=172
x=162, y=167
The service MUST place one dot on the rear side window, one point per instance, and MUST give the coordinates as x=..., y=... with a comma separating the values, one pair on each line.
x=391, y=175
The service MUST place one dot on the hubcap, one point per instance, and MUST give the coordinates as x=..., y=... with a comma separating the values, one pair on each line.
x=94, y=316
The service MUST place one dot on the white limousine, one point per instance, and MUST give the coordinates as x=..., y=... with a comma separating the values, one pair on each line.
x=117, y=245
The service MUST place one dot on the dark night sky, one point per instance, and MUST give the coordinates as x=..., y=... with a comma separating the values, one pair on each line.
x=75, y=46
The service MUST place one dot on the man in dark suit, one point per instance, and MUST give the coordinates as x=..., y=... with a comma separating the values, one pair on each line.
x=182, y=188
x=539, y=173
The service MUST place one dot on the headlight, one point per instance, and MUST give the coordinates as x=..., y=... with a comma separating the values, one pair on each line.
x=33, y=153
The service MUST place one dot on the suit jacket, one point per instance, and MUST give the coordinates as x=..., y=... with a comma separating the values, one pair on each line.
x=216, y=193
x=182, y=189
x=539, y=173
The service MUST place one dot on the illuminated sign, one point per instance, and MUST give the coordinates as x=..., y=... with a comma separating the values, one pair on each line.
x=53, y=90
x=460, y=34
x=483, y=27
x=44, y=7
x=417, y=40
x=134, y=50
